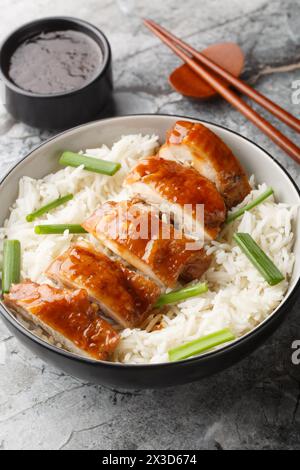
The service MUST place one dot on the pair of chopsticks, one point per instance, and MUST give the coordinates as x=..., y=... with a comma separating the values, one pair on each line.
x=202, y=66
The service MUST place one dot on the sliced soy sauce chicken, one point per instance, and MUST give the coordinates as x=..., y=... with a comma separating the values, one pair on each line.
x=122, y=294
x=193, y=200
x=152, y=246
x=194, y=143
x=67, y=316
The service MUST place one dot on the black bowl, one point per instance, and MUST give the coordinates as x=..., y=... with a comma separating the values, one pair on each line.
x=60, y=110
x=44, y=160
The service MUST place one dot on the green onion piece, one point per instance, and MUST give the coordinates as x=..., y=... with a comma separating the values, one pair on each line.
x=200, y=345
x=255, y=202
x=48, y=207
x=11, y=264
x=258, y=258
x=90, y=164
x=181, y=294
x=58, y=229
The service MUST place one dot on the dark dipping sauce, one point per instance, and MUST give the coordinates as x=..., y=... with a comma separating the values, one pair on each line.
x=55, y=62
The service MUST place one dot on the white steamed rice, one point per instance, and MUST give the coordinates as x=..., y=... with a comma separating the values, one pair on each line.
x=238, y=297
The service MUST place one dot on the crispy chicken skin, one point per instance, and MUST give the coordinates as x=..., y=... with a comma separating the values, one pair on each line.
x=193, y=142
x=122, y=294
x=143, y=240
x=68, y=316
x=167, y=182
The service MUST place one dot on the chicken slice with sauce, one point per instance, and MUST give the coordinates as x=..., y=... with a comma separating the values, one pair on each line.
x=66, y=315
x=195, y=143
x=152, y=246
x=193, y=200
x=122, y=294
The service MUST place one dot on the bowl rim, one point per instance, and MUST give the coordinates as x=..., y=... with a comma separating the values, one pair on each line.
x=87, y=28
x=117, y=365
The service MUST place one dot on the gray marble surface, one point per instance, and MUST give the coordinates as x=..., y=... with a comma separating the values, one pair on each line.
x=255, y=404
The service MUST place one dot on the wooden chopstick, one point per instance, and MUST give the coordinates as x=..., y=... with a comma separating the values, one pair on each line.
x=274, y=134
x=262, y=100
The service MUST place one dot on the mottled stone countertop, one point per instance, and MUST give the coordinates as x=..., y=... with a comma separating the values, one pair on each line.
x=255, y=404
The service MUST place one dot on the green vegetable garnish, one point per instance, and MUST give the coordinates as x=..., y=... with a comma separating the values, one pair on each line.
x=48, y=207
x=90, y=164
x=248, y=207
x=200, y=345
x=11, y=264
x=58, y=229
x=258, y=258
x=181, y=294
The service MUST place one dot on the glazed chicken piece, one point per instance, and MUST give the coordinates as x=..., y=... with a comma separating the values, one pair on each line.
x=67, y=316
x=194, y=143
x=194, y=201
x=154, y=247
x=122, y=294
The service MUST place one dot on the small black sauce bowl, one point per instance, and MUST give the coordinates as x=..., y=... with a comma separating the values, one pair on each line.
x=61, y=110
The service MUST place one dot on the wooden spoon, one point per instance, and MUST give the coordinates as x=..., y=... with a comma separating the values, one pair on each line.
x=228, y=55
